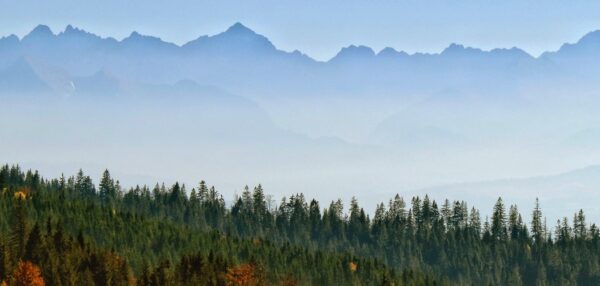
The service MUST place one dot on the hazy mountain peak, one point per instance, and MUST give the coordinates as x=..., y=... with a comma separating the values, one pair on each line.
x=590, y=38
x=514, y=51
x=12, y=38
x=239, y=28
x=136, y=38
x=134, y=35
x=40, y=31
x=237, y=37
x=455, y=46
x=590, y=42
x=354, y=52
x=456, y=49
x=391, y=52
x=243, y=35
x=70, y=30
x=364, y=50
x=74, y=32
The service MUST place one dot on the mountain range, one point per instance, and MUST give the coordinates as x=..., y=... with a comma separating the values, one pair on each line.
x=241, y=51
x=233, y=105
x=247, y=64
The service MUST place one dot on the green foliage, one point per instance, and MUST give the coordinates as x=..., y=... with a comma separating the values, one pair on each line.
x=82, y=236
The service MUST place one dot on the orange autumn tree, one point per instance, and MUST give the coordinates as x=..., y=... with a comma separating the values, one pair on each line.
x=27, y=274
x=243, y=275
x=353, y=266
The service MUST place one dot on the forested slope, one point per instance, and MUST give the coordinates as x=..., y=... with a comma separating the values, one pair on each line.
x=78, y=233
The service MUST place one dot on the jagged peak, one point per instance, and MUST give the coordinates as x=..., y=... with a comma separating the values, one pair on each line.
x=73, y=30
x=10, y=38
x=454, y=48
x=357, y=50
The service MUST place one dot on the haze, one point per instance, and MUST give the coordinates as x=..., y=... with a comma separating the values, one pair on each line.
x=308, y=99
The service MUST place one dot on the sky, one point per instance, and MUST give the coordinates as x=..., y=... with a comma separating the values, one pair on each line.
x=321, y=28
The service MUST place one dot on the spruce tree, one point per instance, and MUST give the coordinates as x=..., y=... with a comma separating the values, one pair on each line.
x=498, y=228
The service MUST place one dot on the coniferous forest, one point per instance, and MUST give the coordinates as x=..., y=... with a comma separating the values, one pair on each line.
x=71, y=231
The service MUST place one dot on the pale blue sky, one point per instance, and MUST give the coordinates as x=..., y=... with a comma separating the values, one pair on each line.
x=321, y=28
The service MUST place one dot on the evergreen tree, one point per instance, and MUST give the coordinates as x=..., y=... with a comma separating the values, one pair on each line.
x=579, y=227
x=107, y=189
x=498, y=229
x=536, y=223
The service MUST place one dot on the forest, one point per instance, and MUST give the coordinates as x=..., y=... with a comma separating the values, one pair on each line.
x=71, y=231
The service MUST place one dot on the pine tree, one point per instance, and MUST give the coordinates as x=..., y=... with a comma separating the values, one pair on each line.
x=19, y=231
x=475, y=221
x=514, y=222
x=537, y=229
x=579, y=227
x=446, y=214
x=259, y=205
x=498, y=229
x=84, y=185
x=106, y=188
x=34, y=247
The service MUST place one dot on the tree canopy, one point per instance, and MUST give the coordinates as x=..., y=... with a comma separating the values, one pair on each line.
x=75, y=233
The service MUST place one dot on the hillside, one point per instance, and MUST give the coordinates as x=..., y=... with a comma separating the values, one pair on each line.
x=178, y=235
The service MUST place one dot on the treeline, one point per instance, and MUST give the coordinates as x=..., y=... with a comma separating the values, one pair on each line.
x=70, y=232
x=161, y=231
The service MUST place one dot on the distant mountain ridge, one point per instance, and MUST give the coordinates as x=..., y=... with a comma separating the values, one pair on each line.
x=234, y=106
x=392, y=95
x=240, y=35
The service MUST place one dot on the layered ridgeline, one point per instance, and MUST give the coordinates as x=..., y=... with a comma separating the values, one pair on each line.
x=385, y=95
x=242, y=59
x=237, y=109
x=71, y=231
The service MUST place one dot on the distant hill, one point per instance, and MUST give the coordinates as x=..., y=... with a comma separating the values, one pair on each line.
x=566, y=192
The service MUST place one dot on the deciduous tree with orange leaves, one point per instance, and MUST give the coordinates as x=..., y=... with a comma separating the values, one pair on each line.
x=243, y=275
x=27, y=274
